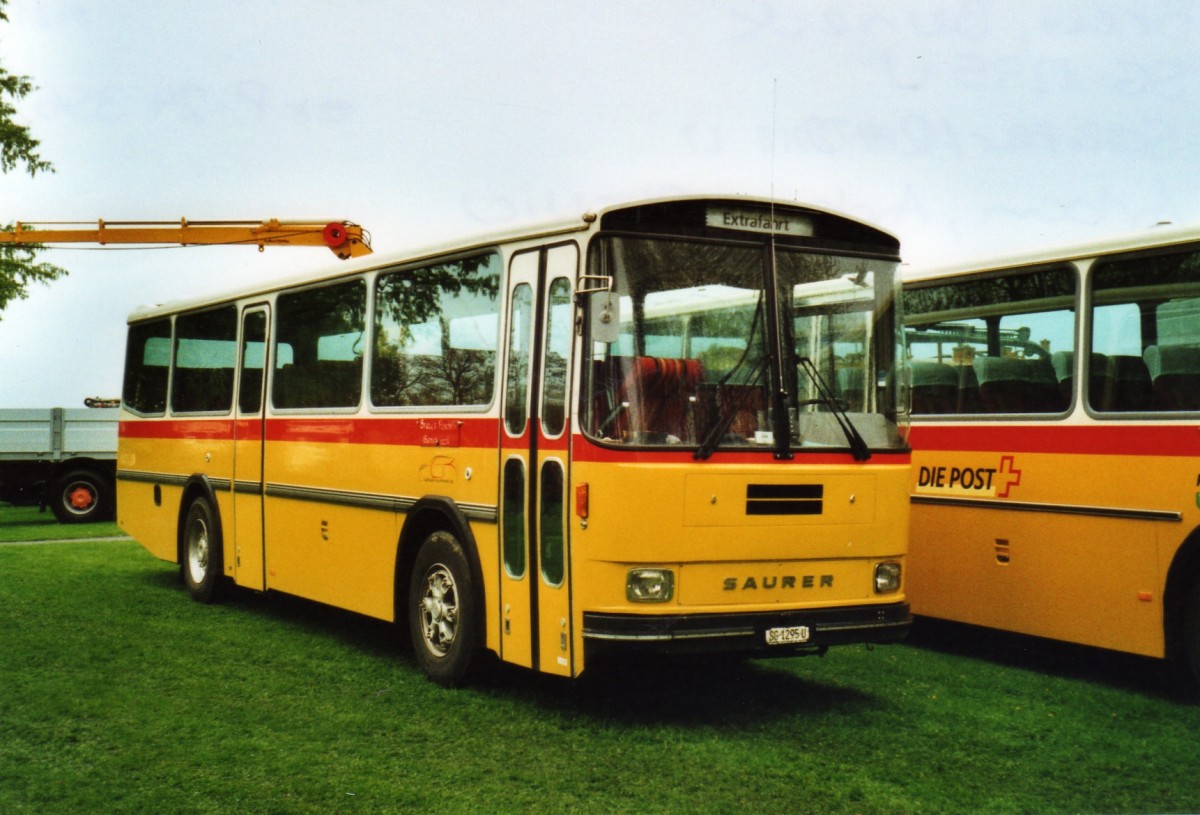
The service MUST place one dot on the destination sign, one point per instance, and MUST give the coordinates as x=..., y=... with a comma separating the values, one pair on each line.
x=760, y=220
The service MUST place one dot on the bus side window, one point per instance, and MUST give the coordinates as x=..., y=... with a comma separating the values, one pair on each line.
x=1000, y=336
x=205, y=361
x=437, y=329
x=324, y=329
x=558, y=349
x=1147, y=318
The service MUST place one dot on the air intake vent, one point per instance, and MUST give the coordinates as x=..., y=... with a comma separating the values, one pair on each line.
x=784, y=499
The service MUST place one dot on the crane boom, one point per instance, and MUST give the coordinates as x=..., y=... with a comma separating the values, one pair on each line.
x=344, y=238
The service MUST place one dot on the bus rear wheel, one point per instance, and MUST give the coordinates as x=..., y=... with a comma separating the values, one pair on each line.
x=201, y=558
x=442, y=613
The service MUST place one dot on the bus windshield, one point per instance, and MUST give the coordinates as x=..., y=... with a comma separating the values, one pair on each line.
x=709, y=355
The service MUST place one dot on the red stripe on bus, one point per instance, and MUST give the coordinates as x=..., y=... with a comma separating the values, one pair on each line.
x=415, y=432
x=1118, y=440
x=452, y=432
x=215, y=429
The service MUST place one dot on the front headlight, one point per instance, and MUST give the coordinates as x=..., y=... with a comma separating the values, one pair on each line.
x=887, y=577
x=650, y=585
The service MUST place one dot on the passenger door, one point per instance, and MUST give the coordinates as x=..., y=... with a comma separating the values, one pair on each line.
x=248, y=437
x=535, y=609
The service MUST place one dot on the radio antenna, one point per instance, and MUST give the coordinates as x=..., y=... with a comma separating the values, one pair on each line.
x=774, y=108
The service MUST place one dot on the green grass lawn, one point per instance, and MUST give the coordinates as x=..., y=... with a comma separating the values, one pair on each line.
x=28, y=524
x=118, y=694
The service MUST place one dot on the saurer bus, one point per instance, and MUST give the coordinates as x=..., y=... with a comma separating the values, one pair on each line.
x=666, y=426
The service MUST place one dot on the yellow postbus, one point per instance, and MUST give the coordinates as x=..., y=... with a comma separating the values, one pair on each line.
x=670, y=426
x=1056, y=438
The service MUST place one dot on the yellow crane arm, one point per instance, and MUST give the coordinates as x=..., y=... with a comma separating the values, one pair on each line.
x=345, y=239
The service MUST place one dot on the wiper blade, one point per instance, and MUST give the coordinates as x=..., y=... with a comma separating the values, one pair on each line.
x=858, y=445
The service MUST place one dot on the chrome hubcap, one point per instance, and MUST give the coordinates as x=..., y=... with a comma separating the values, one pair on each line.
x=439, y=610
x=198, y=551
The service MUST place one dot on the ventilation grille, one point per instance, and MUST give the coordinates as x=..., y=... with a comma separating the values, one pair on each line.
x=785, y=499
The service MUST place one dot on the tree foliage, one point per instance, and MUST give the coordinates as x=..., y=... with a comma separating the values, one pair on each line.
x=18, y=270
x=18, y=265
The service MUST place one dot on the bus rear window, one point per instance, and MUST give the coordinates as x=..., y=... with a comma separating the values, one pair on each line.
x=147, y=362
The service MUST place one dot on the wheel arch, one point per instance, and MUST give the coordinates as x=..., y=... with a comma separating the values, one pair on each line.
x=1181, y=580
x=102, y=467
x=430, y=514
x=197, y=486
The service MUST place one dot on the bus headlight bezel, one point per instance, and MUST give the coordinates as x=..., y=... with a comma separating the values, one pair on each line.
x=650, y=585
x=887, y=577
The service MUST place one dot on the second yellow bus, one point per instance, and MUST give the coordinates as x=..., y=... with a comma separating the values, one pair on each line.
x=1056, y=430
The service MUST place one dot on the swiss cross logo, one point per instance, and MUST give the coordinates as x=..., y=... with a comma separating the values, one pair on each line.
x=1008, y=477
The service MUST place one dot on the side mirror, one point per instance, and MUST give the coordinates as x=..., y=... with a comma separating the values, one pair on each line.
x=604, y=310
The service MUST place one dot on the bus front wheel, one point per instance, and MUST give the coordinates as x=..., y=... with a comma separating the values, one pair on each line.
x=201, y=557
x=1191, y=632
x=442, y=616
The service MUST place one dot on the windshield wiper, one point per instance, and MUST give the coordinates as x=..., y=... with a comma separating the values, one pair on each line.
x=858, y=445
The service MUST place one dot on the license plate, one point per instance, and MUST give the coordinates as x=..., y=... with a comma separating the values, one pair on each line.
x=787, y=636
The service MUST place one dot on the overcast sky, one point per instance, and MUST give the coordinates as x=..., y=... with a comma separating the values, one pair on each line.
x=964, y=128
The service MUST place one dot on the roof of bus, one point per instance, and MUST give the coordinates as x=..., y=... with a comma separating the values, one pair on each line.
x=1160, y=236
x=580, y=223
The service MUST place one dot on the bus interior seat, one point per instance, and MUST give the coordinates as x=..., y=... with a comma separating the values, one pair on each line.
x=202, y=389
x=968, y=389
x=325, y=384
x=1099, y=378
x=1129, y=385
x=1175, y=373
x=655, y=398
x=1044, y=396
x=1004, y=384
x=934, y=388
x=1063, y=363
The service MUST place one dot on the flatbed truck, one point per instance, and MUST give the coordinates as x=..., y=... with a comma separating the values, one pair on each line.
x=63, y=459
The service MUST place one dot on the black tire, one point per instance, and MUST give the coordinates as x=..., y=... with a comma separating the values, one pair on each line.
x=1190, y=634
x=443, y=614
x=81, y=496
x=200, y=553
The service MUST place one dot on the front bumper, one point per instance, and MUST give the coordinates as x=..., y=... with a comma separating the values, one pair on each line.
x=745, y=632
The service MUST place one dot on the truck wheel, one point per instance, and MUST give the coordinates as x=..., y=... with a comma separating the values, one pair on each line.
x=442, y=615
x=81, y=496
x=200, y=553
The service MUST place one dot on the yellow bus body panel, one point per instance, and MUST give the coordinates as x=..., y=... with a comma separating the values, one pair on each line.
x=1060, y=572
x=697, y=524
